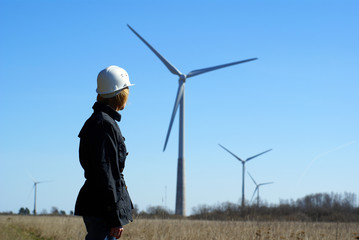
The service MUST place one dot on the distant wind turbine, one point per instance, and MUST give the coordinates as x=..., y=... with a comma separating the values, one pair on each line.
x=243, y=167
x=257, y=188
x=35, y=188
x=179, y=103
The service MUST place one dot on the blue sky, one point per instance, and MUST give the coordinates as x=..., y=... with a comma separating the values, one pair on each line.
x=300, y=97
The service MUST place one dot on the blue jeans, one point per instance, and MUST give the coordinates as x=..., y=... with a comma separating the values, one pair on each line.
x=97, y=229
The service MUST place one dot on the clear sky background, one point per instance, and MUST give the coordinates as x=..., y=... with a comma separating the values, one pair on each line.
x=300, y=97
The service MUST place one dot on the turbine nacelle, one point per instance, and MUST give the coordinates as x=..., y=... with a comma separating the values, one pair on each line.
x=183, y=77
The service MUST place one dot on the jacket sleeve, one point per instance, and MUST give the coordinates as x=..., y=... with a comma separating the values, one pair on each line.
x=107, y=168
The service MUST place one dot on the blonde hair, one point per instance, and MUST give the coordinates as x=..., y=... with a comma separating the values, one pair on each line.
x=117, y=102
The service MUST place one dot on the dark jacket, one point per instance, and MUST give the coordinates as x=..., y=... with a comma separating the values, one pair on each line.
x=102, y=156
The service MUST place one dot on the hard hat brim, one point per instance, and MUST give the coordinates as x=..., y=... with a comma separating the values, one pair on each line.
x=112, y=94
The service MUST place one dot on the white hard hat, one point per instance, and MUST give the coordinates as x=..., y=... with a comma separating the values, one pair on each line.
x=111, y=81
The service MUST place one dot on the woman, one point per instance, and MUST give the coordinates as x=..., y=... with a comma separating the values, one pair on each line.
x=103, y=200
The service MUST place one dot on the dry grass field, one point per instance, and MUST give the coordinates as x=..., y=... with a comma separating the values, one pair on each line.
x=13, y=227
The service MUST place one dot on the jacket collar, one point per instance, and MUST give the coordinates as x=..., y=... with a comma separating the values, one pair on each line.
x=104, y=107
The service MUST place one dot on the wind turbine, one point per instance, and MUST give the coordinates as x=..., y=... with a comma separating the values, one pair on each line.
x=179, y=103
x=243, y=167
x=35, y=187
x=257, y=188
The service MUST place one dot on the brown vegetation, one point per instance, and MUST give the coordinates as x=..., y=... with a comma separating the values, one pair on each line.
x=316, y=216
x=71, y=228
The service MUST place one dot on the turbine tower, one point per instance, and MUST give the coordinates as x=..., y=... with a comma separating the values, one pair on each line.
x=257, y=188
x=179, y=103
x=243, y=167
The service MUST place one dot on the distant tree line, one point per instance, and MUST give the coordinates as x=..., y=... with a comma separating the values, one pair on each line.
x=314, y=207
x=54, y=212
x=24, y=211
x=154, y=212
x=326, y=207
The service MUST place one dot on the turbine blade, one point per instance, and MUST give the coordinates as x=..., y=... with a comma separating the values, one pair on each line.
x=252, y=178
x=178, y=98
x=204, y=70
x=231, y=153
x=258, y=155
x=265, y=183
x=32, y=189
x=45, y=181
x=255, y=190
x=164, y=60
